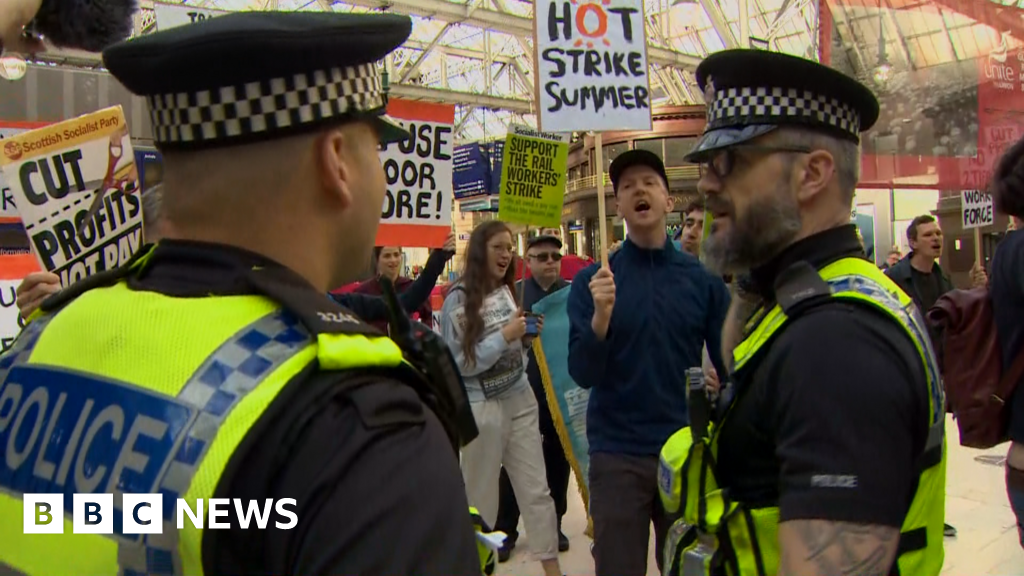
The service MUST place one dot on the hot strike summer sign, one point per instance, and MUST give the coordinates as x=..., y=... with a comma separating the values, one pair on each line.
x=592, y=64
x=417, y=208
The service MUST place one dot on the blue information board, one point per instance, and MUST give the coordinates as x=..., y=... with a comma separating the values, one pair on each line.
x=472, y=172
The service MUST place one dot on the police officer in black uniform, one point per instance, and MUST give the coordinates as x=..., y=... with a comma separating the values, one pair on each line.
x=830, y=457
x=270, y=125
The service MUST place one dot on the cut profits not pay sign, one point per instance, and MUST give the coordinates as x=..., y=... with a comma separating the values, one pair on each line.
x=55, y=173
x=417, y=208
x=976, y=210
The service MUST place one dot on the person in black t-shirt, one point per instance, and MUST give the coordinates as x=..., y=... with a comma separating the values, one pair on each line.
x=919, y=273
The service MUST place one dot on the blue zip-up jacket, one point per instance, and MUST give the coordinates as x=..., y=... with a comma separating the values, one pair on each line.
x=667, y=305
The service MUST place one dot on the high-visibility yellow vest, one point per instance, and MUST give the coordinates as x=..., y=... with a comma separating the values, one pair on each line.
x=137, y=392
x=716, y=535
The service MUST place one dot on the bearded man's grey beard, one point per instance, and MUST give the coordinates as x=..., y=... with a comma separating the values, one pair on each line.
x=769, y=226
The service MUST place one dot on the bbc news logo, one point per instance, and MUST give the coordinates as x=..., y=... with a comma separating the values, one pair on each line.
x=143, y=513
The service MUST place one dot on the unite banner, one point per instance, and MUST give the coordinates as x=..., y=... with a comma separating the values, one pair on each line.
x=417, y=209
x=55, y=174
x=592, y=65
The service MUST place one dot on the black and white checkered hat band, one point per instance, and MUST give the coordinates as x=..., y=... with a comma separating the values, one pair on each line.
x=264, y=106
x=745, y=106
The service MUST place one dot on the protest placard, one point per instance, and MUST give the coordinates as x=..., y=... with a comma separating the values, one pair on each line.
x=8, y=209
x=417, y=208
x=592, y=65
x=533, y=176
x=173, y=15
x=55, y=174
x=976, y=209
x=12, y=270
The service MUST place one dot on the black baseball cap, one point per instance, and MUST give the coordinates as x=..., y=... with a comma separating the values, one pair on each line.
x=546, y=239
x=631, y=158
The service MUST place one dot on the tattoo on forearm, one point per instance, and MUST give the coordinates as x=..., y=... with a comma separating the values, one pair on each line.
x=847, y=549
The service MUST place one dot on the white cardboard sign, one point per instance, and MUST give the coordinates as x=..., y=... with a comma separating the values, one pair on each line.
x=417, y=208
x=8, y=209
x=10, y=320
x=592, y=65
x=56, y=172
x=976, y=209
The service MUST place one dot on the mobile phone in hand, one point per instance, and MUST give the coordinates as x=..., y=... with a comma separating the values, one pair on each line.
x=531, y=324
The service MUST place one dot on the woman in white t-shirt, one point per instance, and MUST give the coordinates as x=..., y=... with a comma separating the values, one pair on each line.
x=486, y=331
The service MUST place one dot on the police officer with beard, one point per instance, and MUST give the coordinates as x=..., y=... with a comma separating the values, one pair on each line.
x=830, y=457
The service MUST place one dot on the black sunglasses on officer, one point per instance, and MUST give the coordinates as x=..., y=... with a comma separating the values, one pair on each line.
x=721, y=163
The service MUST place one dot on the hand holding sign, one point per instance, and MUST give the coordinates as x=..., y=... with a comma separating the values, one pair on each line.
x=449, y=243
x=979, y=278
x=35, y=288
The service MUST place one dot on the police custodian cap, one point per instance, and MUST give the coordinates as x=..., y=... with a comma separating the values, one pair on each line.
x=252, y=76
x=749, y=93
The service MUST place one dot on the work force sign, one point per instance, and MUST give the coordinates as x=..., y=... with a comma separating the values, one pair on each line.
x=533, y=174
x=417, y=208
x=57, y=173
x=976, y=209
x=592, y=65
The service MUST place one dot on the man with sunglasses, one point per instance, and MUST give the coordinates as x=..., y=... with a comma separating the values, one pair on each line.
x=830, y=457
x=544, y=261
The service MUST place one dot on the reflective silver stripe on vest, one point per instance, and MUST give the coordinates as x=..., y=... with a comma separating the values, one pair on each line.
x=911, y=318
x=220, y=383
x=22, y=347
x=19, y=353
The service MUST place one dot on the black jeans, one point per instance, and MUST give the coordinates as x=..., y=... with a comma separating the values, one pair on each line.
x=624, y=501
x=558, y=480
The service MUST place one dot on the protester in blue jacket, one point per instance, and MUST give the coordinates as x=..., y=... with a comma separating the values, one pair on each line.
x=636, y=327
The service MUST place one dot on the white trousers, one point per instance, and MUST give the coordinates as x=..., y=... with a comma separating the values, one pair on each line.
x=510, y=437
